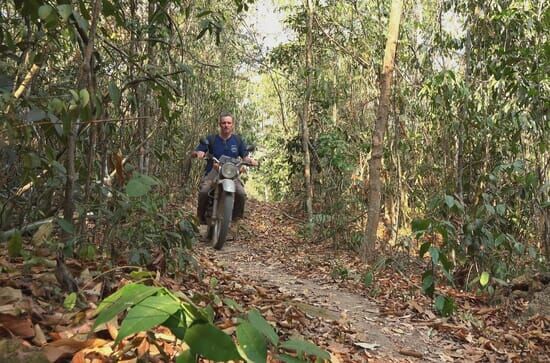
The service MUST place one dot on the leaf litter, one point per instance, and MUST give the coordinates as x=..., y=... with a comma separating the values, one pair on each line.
x=313, y=291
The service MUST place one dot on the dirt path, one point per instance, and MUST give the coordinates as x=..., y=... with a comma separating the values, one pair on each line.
x=266, y=253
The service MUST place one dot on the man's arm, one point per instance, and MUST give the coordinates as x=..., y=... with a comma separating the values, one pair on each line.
x=198, y=154
x=243, y=152
x=200, y=151
x=250, y=161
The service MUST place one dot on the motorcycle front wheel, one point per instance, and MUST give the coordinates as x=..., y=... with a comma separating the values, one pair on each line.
x=221, y=227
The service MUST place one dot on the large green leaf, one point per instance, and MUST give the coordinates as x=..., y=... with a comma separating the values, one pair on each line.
x=84, y=97
x=65, y=11
x=176, y=324
x=82, y=22
x=121, y=300
x=449, y=201
x=70, y=301
x=44, y=11
x=211, y=343
x=66, y=225
x=135, y=188
x=424, y=248
x=186, y=357
x=428, y=284
x=434, y=252
x=484, y=279
x=290, y=359
x=147, y=314
x=258, y=322
x=252, y=345
x=302, y=346
x=444, y=305
x=420, y=225
x=146, y=180
x=114, y=93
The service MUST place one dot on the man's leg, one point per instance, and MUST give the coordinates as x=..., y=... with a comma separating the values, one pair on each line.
x=240, y=199
x=204, y=189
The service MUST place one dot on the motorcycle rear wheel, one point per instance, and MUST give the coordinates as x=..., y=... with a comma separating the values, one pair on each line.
x=221, y=227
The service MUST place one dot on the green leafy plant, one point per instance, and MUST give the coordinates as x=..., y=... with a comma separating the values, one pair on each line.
x=444, y=305
x=142, y=209
x=147, y=307
x=339, y=272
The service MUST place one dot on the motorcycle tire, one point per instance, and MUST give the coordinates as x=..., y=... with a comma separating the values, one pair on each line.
x=209, y=231
x=221, y=228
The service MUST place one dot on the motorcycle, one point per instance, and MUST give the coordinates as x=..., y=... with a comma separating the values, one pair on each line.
x=221, y=197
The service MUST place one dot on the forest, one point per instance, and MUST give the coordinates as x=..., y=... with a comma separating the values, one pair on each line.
x=400, y=210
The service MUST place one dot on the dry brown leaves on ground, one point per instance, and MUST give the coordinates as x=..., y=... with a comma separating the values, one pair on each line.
x=34, y=323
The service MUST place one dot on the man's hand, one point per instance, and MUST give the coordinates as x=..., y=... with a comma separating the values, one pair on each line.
x=198, y=154
x=250, y=161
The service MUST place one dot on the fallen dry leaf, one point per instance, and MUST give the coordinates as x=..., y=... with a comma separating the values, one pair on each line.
x=19, y=326
x=42, y=234
x=79, y=357
x=9, y=295
x=39, y=337
x=411, y=353
x=369, y=346
x=67, y=347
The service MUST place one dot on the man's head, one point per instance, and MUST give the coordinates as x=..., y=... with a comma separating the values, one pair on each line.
x=226, y=124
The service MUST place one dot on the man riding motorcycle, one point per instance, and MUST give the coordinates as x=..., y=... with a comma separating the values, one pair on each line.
x=225, y=143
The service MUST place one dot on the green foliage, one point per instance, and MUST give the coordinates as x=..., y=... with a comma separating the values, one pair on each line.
x=15, y=245
x=367, y=278
x=140, y=97
x=66, y=226
x=148, y=307
x=477, y=235
x=121, y=300
x=444, y=305
x=339, y=272
x=484, y=279
x=70, y=301
x=304, y=348
x=252, y=345
x=149, y=313
x=142, y=210
x=210, y=342
x=140, y=185
x=262, y=326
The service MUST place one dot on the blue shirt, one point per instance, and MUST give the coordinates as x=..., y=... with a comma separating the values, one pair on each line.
x=229, y=147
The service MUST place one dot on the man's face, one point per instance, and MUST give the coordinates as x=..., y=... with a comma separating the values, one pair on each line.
x=226, y=125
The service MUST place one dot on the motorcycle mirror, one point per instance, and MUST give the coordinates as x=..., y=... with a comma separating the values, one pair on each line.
x=251, y=148
x=204, y=141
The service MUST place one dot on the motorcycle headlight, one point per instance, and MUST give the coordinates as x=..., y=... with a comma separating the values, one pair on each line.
x=229, y=171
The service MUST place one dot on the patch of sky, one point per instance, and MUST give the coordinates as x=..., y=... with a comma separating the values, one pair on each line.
x=266, y=19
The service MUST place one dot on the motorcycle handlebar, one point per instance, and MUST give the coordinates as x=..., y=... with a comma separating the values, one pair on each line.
x=208, y=156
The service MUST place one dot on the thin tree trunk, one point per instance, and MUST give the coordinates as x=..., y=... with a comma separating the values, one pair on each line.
x=306, y=113
x=281, y=101
x=84, y=81
x=369, y=239
x=461, y=134
x=148, y=98
x=396, y=220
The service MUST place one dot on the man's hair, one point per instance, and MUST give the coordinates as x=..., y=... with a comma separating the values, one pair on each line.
x=226, y=114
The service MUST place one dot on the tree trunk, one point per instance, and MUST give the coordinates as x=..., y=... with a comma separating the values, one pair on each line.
x=147, y=96
x=369, y=239
x=84, y=81
x=306, y=113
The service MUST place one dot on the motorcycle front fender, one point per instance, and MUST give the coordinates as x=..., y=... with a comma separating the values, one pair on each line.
x=228, y=185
